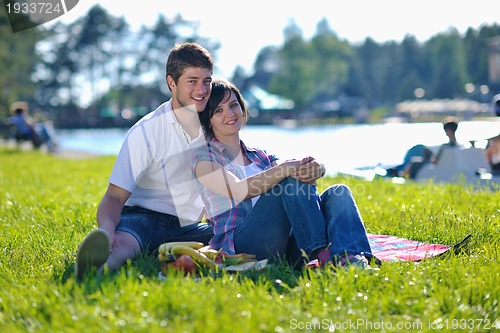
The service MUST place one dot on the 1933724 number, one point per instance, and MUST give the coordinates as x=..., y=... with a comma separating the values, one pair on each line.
x=34, y=8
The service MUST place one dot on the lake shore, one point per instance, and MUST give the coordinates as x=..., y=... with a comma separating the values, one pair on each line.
x=73, y=154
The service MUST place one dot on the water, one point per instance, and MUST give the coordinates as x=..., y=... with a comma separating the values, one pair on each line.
x=339, y=147
x=95, y=141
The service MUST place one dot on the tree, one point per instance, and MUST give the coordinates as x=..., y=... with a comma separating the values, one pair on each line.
x=476, y=49
x=18, y=60
x=331, y=59
x=96, y=44
x=305, y=71
x=448, y=65
x=294, y=76
x=96, y=62
x=371, y=69
x=152, y=52
x=79, y=57
x=265, y=66
x=413, y=69
x=154, y=44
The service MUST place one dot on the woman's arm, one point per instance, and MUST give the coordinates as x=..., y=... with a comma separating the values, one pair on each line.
x=310, y=171
x=489, y=154
x=217, y=179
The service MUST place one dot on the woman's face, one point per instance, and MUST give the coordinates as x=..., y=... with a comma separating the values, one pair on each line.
x=227, y=117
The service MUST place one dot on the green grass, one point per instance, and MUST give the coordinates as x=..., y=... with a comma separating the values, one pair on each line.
x=48, y=204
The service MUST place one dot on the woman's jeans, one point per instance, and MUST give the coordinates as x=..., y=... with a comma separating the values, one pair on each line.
x=293, y=220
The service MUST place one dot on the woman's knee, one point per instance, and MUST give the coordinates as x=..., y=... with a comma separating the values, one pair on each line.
x=337, y=191
x=292, y=187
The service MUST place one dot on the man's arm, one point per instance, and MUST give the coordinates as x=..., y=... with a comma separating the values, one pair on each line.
x=110, y=208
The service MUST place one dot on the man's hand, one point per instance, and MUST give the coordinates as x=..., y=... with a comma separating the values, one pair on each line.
x=109, y=210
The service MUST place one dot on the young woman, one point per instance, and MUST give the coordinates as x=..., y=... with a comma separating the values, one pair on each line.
x=271, y=210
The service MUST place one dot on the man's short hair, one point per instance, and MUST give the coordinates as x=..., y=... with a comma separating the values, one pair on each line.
x=186, y=55
x=450, y=123
x=496, y=104
x=18, y=107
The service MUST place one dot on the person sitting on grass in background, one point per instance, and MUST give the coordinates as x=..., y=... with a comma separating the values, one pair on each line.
x=413, y=154
x=493, y=154
x=450, y=126
x=416, y=163
x=34, y=129
x=23, y=125
x=267, y=209
x=152, y=197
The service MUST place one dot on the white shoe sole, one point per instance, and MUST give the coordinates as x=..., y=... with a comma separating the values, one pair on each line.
x=92, y=253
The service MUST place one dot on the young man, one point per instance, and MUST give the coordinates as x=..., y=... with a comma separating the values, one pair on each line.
x=152, y=196
x=450, y=126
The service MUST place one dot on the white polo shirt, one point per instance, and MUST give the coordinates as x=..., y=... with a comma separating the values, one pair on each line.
x=154, y=164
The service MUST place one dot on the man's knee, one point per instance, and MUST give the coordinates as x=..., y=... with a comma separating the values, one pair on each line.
x=126, y=241
x=125, y=247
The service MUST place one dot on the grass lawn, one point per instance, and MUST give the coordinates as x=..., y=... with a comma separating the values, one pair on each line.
x=48, y=204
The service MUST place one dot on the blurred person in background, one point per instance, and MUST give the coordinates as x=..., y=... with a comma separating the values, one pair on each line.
x=27, y=128
x=493, y=154
x=450, y=126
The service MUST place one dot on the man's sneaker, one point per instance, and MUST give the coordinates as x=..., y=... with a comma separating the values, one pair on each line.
x=92, y=253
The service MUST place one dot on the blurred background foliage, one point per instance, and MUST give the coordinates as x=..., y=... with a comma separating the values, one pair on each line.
x=117, y=69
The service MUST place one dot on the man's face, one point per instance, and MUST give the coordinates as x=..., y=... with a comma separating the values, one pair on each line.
x=192, y=90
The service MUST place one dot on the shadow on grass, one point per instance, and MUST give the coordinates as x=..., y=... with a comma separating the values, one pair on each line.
x=281, y=275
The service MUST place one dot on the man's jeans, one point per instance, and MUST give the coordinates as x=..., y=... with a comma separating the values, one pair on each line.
x=292, y=217
x=151, y=229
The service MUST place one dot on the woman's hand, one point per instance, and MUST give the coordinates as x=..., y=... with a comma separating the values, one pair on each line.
x=309, y=171
x=291, y=167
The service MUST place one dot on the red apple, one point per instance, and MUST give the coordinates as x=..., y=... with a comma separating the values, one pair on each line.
x=185, y=263
x=165, y=265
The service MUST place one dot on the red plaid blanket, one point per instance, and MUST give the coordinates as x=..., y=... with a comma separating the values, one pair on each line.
x=392, y=248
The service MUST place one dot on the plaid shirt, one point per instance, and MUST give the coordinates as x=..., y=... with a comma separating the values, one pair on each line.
x=224, y=213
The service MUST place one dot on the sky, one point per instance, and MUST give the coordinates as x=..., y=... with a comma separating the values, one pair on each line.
x=244, y=27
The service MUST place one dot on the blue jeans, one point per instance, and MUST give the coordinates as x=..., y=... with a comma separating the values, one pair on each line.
x=151, y=229
x=293, y=218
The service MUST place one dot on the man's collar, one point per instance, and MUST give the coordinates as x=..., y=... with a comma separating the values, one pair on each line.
x=169, y=112
x=172, y=118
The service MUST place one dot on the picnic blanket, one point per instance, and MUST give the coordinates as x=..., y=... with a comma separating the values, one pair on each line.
x=392, y=248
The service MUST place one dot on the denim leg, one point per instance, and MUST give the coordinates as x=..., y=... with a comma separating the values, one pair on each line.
x=302, y=204
x=151, y=228
x=265, y=231
x=290, y=207
x=346, y=231
x=294, y=255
